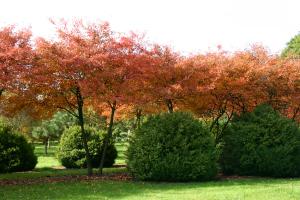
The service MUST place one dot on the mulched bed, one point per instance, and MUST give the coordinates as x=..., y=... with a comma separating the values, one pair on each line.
x=68, y=178
x=234, y=177
x=120, y=176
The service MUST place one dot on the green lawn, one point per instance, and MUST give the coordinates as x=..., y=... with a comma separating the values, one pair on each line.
x=48, y=165
x=253, y=189
x=243, y=189
x=48, y=160
x=121, y=148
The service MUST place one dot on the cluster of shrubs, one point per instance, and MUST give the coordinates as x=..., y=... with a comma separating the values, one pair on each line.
x=261, y=143
x=71, y=150
x=177, y=147
x=16, y=154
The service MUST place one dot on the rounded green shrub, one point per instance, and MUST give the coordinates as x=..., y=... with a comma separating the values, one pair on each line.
x=172, y=147
x=71, y=151
x=16, y=154
x=261, y=143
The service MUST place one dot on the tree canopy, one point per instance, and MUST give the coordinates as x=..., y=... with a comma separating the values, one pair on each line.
x=293, y=47
x=121, y=75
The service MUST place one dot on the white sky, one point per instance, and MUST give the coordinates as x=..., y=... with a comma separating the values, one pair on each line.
x=188, y=26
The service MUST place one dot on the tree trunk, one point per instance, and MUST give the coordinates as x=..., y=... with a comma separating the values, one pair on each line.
x=295, y=113
x=83, y=134
x=108, y=136
x=46, y=146
x=138, y=115
x=48, y=141
x=169, y=104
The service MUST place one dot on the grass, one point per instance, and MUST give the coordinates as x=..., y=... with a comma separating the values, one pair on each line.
x=251, y=189
x=243, y=189
x=48, y=165
x=49, y=160
x=121, y=148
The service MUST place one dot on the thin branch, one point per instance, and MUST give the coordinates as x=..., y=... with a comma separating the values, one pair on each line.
x=69, y=111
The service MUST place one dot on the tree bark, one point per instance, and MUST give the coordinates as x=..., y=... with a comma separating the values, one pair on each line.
x=83, y=134
x=108, y=136
x=295, y=113
x=138, y=115
x=48, y=141
x=170, y=106
x=46, y=146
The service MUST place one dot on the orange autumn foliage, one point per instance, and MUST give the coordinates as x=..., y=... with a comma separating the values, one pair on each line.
x=122, y=71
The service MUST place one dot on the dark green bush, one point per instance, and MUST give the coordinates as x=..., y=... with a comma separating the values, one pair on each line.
x=71, y=151
x=262, y=143
x=16, y=154
x=172, y=147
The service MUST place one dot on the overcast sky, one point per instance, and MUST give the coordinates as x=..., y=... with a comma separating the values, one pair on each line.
x=188, y=26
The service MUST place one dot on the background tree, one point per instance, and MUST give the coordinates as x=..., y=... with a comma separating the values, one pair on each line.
x=293, y=48
x=53, y=128
x=61, y=69
x=164, y=78
x=111, y=84
x=15, y=56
